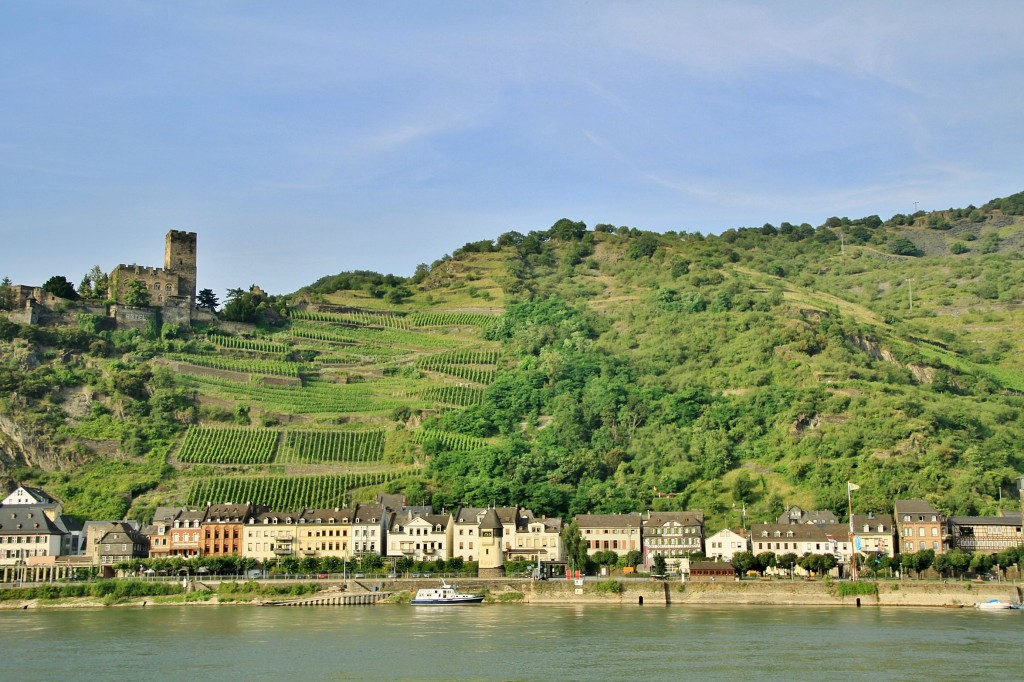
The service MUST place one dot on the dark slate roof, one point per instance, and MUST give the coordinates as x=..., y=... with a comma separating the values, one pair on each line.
x=122, y=532
x=873, y=520
x=166, y=514
x=366, y=512
x=812, y=532
x=1009, y=520
x=473, y=515
x=608, y=520
x=271, y=517
x=19, y=519
x=914, y=507
x=393, y=502
x=685, y=518
x=339, y=514
x=38, y=494
x=797, y=515
x=228, y=513
x=490, y=521
x=711, y=565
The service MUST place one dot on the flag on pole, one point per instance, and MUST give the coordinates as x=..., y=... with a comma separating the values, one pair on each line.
x=850, y=487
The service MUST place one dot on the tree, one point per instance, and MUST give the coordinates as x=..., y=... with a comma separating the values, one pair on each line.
x=575, y=547
x=136, y=294
x=100, y=281
x=606, y=557
x=903, y=247
x=59, y=286
x=633, y=558
x=766, y=560
x=659, y=567
x=6, y=294
x=207, y=299
x=743, y=562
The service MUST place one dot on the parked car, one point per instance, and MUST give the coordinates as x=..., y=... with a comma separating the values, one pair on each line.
x=392, y=575
x=415, y=575
x=428, y=575
x=359, y=576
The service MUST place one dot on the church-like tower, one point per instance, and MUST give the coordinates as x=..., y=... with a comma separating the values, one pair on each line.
x=491, y=534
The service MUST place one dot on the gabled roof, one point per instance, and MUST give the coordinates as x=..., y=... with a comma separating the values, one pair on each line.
x=122, y=532
x=872, y=520
x=36, y=495
x=683, y=518
x=727, y=533
x=339, y=514
x=473, y=515
x=229, y=513
x=914, y=507
x=19, y=519
x=369, y=513
x=796, y=532
x=608, y=520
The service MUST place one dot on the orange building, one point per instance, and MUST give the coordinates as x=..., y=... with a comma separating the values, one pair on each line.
x=221, y=529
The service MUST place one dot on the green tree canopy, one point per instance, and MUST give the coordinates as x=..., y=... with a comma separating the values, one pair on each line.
x=59, y=286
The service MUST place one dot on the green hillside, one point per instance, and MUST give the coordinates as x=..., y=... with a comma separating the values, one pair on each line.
x=569, y=370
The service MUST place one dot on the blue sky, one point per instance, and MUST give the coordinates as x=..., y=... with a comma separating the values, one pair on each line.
x=304, y=139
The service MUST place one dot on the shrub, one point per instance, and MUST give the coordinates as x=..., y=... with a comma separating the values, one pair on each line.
x=609, y=587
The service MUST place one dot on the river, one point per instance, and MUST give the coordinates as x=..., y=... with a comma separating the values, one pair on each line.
x=509, y=642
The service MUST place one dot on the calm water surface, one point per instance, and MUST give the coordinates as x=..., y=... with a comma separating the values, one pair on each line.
x=510, y=642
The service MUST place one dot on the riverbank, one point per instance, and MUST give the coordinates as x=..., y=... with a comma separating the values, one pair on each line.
x=624, y=592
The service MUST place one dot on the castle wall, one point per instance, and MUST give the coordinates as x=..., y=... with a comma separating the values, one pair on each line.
x=129, y=317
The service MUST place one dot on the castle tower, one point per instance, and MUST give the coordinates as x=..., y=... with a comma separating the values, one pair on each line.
x=180, y=258
x=491, y=532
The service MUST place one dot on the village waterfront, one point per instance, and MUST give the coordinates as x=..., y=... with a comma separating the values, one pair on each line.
x=504, y=642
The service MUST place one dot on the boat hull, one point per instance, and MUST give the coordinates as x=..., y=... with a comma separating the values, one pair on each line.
x=453, y=601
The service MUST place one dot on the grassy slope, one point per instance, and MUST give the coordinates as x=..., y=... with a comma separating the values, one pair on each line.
x=805, y=408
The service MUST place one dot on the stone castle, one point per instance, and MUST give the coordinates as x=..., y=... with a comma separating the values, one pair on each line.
x=172, y=288
x=172, y=292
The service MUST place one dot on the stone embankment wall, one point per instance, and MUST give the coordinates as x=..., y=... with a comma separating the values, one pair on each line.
x=773, y=593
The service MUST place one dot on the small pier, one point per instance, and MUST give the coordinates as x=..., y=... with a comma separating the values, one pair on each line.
x=338, y=599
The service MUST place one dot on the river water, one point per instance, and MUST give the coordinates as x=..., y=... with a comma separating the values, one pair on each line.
x=510, y=642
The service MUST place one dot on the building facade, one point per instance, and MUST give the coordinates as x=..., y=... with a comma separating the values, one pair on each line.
x=920, y=526
x=673, y=536
x=724, y=544
x=619, y=533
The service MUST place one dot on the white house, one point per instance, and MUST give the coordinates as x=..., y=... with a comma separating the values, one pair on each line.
x=724, y=544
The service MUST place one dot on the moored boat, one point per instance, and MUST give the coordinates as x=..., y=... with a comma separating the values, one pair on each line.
x=444, y=595
x=994, y=605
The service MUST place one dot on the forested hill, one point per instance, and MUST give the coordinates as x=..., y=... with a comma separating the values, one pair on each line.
x=572, y=370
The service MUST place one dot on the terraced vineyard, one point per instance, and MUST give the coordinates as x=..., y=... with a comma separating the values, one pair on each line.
x=360, y=366
x=315, y=447
x=317, y=396
x=478, y=366
x=241, y=364
x=214, y=445
x=452, y=319
x=236, y=343
x=285, y=493
x=452, y=394
x=456, y=442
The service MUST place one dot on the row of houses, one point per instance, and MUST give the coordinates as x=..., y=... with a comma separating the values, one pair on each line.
x=34, y=533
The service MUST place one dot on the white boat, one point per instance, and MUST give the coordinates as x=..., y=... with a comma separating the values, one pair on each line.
x=444, y=595
x=994, y=605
